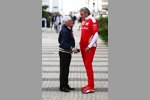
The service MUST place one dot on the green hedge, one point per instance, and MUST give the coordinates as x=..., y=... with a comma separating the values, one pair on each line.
x=103, y=29
x=45, y=14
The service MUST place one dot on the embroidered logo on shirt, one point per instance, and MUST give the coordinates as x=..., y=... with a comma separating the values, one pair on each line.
x=83, y=22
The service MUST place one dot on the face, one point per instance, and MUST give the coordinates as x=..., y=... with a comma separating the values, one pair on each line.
x=83, y=14
x=70, y=23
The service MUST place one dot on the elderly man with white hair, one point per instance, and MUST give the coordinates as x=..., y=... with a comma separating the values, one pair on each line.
x=67, y=46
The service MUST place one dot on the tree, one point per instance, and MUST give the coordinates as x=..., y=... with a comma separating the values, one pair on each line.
x=45, y=14
x=103, y=30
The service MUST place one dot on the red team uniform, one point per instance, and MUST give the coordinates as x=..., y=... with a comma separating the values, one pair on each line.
x=88, y=30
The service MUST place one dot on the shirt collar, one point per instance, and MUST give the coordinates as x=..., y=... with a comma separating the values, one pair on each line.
x=88, y=17
x=66, y=26
x=69, y=28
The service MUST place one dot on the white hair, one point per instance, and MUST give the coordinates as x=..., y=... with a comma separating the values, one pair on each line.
x=66, y=18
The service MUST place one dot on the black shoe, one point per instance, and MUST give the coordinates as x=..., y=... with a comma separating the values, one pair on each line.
x=70, y=88
x=64, y=89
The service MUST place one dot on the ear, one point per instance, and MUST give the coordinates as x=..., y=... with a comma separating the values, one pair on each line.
x=86, y=15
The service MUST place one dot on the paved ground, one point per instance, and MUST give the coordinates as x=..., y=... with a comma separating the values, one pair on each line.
x=77, y=75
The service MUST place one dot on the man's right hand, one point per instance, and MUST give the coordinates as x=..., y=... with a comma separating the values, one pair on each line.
x=74, y=50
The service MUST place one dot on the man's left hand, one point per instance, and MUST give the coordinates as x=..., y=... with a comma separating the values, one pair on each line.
x=87, y=49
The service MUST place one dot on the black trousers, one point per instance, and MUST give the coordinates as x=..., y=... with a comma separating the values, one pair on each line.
x=65, y=59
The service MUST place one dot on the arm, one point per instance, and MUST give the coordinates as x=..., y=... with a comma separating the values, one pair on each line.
x=94, y=26
x=95, y=37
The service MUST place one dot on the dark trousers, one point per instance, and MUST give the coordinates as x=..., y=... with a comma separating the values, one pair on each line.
x=65, y=59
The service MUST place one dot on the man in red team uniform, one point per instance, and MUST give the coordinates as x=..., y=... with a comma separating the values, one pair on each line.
x=89, y=35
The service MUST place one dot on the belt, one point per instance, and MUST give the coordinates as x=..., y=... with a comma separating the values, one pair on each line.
x=64, y=50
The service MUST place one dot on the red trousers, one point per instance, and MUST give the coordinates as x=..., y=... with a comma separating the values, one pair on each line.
x=87, y=57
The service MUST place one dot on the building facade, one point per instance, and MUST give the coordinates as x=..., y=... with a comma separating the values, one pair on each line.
x=93, y=5
x=96, y=5
x=46, y=2
x=54, y=5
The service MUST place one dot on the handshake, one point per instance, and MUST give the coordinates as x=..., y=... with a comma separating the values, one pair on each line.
x=75, y=50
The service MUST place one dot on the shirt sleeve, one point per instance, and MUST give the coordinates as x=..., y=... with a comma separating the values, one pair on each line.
x=95, y=27
x=94, y=39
